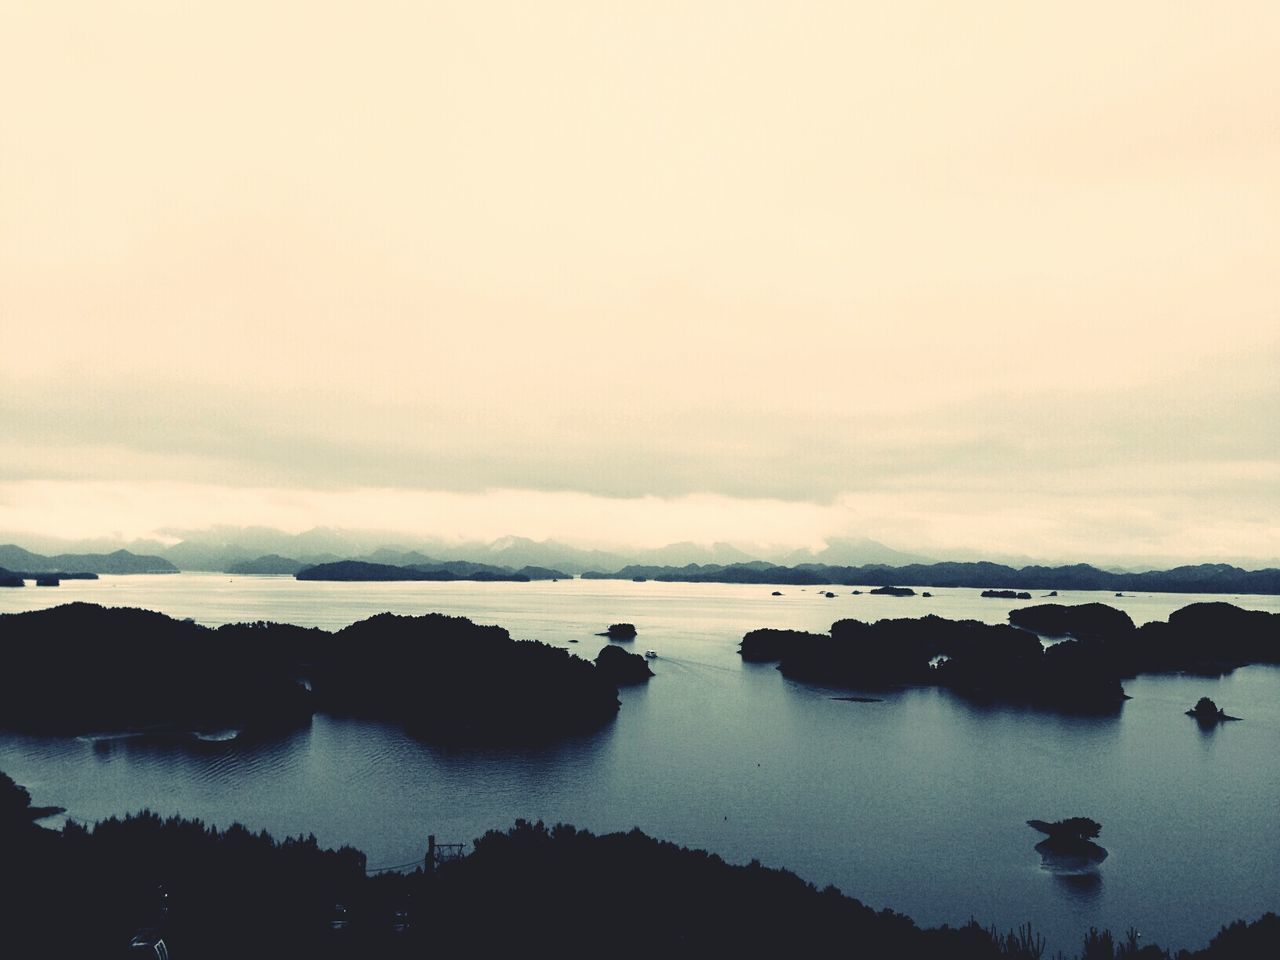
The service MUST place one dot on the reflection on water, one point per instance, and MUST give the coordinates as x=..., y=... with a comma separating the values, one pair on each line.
x=1207, y=727
x=917, y=802
x=1081, y=887
x=1097, y=728
x=200, y=760
x=1085, y=859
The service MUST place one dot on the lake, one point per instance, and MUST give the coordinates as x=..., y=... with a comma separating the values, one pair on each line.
x=917, y=802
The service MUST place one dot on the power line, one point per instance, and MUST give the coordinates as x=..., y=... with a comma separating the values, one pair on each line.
x=398, y=866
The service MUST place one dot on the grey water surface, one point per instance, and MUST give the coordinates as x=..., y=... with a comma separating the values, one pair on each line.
x=917, y=802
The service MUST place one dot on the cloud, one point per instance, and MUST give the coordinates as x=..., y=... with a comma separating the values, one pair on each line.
x=821, y=256
x=1210, y=431
x=1183, y=468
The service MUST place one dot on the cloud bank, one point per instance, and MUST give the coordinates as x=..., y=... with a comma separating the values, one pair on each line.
x=995, y=277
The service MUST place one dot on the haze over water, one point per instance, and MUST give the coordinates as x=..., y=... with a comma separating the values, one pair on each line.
x=917, y=803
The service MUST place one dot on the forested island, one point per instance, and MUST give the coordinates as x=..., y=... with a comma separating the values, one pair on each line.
x=1069, y=844
x=622, y=668
x=81, y=667
x=363, y=570
x=1201, y=638
x=88, y=890
x=1198, y=578
x=1009, y=663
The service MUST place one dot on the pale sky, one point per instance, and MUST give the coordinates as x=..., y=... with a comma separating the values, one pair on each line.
x=993, y=276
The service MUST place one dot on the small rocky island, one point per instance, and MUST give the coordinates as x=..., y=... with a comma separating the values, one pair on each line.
x=1069, y=847
x=893, y=591
x=620, y=631
x=621, y=668
x=1006, y=595
x=1208, y=714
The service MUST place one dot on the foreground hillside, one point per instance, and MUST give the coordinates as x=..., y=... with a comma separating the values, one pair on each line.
x=86, y=891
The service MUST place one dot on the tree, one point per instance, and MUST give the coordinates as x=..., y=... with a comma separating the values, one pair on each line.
x=14, y=802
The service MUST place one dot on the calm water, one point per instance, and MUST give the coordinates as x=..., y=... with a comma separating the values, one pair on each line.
x=917, y=803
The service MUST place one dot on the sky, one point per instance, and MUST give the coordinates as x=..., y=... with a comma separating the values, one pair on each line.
x=984, y=277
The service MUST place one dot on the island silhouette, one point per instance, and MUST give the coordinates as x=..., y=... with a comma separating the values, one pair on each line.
x=619, y=631
x=622, y=668
x=1009, y=663
x=1069, y=845
x=1194, y=578
x=1208, y=714
x=444, y=678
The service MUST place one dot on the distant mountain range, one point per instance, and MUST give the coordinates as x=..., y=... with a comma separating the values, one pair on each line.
x=117, y=562
x=271, y=551
x=1199, y=578
x=850, y=552
x=272, y=563
x=260, y=550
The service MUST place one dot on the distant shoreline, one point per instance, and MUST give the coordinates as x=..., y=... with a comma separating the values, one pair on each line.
x=549, y=561
x=1200, y=578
